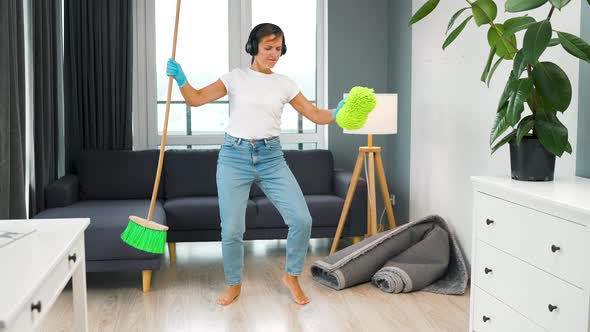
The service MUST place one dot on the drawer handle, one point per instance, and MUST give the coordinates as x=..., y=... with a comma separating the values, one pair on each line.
x=486, y=318
x=72, y=258
x=489, y=222
x=555, y=248
x=551, y=307
x=36, y=306
x=486, y=270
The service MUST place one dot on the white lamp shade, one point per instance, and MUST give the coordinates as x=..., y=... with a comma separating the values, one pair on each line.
x=383, y=119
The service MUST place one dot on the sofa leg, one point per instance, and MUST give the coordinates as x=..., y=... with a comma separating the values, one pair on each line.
x=147, y=280
x=172, y=251
x=356, y=239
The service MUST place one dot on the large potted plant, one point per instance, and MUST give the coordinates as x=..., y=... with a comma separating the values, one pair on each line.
x=536, y=134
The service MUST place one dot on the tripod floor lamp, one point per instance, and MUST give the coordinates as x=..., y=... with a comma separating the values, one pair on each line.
x=381, y=121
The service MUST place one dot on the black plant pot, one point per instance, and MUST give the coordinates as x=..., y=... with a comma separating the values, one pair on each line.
x=530, y=161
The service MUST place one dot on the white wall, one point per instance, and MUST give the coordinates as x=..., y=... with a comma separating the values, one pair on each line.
x=453, y=112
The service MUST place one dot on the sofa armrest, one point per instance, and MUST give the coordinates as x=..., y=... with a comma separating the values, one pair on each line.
x=357, y=215
x=62, y=192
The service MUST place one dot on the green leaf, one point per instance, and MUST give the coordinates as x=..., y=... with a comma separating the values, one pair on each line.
x=505, y=48
x=554, y=41
x=519, y=95
x=504, y=140
x=574, y=45
x=559, y=3
x=514, y=6
x=426, y=9
x=518, y=65
x=456, y=32
x=553, y=85
x=484, y=11
x=508, y=88
x=494, y=67
x=524, y=127
x=500, y=125
x=568, y=147
x=454, y=17
x=536, y=40
x=550, y=131
x=515, y=24
x=486, y=70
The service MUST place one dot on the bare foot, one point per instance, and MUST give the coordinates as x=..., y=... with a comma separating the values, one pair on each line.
x=229, y=295
x=292, y=284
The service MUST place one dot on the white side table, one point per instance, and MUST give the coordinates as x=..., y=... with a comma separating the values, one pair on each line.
x=38, y=258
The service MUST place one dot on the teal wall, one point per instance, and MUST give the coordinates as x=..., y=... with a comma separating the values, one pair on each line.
x=583, y=151
x=370, y=45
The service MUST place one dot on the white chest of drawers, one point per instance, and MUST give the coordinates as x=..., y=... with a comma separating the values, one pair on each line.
x=530, y=265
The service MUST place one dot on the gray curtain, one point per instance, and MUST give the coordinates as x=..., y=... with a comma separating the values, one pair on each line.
x=97, y=76
x=46, y=16
x=12, y=111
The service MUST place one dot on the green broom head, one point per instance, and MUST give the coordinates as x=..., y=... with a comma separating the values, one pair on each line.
x=144, y=238
x=360, y=102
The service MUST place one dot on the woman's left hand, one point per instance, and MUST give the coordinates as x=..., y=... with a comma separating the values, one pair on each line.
x=337, y=109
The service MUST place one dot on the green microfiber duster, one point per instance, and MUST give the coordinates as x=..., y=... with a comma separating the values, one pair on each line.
x=359, y=103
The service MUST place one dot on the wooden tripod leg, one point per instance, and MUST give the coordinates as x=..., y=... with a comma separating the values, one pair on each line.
x=347, y=202
x=385, y=190
x=368, y=233
x=372, y=195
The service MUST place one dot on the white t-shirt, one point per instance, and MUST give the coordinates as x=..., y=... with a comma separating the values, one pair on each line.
x=256, y=102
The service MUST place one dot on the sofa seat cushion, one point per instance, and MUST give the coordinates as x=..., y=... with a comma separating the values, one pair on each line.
x=202, y=212
x=108, y=219
x=325, y=211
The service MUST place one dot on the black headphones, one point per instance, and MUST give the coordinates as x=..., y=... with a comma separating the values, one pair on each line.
x=252, y=43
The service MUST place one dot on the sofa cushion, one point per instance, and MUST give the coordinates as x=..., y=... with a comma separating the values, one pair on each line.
x=189, y=213
x=190, y=173
x=324, y=209
x=108, y=219
x=313, y=170
x=117, y=174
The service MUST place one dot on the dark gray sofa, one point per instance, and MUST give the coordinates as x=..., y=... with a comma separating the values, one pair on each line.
x=108, y=186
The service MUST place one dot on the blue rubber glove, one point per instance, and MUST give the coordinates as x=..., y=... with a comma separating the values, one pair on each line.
x=173, y=69
x=337, y=109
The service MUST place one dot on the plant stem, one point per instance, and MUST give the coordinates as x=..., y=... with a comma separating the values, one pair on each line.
x=529, y=70
x=550, y=12
x=533, y=104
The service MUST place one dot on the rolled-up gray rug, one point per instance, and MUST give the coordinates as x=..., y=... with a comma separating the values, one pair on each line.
x=418, y=266
x=359, y=262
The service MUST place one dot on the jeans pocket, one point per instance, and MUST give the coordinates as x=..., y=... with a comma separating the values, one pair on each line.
x=228, y=144
x=274, y=146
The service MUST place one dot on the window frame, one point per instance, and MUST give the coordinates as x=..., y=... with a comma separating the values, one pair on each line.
x=145, y=117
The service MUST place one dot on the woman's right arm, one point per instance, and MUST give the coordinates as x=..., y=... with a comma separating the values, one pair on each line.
x=198, y=97
x=195, y=97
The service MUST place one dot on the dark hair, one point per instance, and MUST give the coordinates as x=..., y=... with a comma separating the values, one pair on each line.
x=258, y=33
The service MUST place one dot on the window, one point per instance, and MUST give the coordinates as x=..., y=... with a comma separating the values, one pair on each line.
x=208, y=46
x=203, y=51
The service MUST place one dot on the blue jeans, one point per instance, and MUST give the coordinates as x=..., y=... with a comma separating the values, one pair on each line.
x=242, y=162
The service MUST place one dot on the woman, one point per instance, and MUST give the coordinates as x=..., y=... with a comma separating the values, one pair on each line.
x=251, y=152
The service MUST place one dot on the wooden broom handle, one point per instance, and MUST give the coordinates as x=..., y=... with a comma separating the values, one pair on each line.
x=165, y=132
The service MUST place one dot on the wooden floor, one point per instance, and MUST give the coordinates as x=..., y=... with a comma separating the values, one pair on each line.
x=183, y=299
